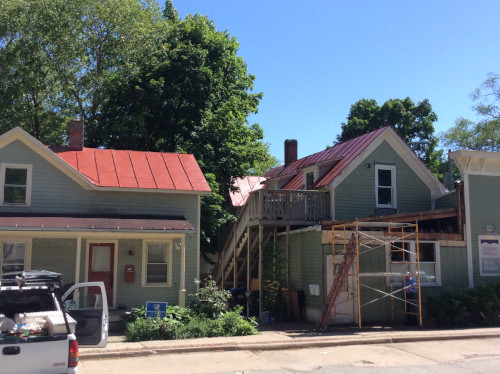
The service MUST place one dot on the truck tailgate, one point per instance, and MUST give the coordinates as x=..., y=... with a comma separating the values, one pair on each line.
x=41, y=355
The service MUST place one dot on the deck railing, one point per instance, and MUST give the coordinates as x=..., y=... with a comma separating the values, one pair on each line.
x=294, y=206
x=289, y=205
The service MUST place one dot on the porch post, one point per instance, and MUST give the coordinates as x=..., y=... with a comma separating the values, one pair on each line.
x=78, y=256
x=261, y=235
x=249, y=268
x=288, y=286
x=182, y=291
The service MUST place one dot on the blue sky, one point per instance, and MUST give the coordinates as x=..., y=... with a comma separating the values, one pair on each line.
x=314, y=59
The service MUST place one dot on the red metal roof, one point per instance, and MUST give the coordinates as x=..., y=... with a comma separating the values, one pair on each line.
x=136, y=169
x=245, y=185
x=62, y=223
x=341, y=156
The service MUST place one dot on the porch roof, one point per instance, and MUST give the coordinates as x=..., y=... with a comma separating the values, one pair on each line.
x=41, y=222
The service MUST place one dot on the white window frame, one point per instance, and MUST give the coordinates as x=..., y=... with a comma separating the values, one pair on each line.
x=29, y=172
x=169, y=244
x=412, y=266
x=394, y=199
x=310, y=174
x=308, y=170
x=27, y=251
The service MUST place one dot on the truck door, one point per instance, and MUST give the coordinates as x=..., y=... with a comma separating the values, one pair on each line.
x=88, y=305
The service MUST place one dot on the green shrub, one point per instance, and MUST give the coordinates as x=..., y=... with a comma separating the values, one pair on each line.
x=210, y=301
x=178, y=313
x=233, y=324
x=227, y=324
x=196, y=328
x=207, y=317
x=152, y=329
x=175, y=312
x=478, y=306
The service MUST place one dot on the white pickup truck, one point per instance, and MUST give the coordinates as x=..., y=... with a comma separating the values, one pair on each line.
x=41, y=328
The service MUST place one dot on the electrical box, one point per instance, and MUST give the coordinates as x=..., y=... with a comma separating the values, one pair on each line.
x=129, y=273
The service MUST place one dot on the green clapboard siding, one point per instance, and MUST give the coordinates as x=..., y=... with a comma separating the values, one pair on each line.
x=55, y=192
x=447, y=201
x=355, y=196
x=376, y=308
x=58, y=255
x=484, y=210
x=306, y=265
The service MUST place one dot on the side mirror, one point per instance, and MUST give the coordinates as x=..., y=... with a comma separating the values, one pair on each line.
x=70, y=304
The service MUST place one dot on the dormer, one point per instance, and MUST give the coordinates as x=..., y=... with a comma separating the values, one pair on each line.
x=314, y=172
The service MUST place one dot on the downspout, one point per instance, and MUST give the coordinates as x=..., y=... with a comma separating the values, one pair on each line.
x=182, y=290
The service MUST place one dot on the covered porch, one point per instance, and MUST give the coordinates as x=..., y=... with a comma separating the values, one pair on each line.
x=137, y=258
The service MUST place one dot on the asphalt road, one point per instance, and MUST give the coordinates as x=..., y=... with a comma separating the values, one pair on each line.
x=451, y=356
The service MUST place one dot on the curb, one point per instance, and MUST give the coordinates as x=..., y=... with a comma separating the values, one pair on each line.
x=278, y=345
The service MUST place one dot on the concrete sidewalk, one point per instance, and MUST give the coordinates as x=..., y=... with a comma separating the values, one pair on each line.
x=286, y=336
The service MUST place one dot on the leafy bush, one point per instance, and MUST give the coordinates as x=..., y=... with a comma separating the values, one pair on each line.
x=478, y=306
x=175, y=312
x=210, y=301
x=227, y=324
x=152, y=329
x=207, y=317
x=233, y=324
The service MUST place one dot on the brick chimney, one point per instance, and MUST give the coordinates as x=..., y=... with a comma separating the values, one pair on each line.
x=76, y=134
x=290, y=151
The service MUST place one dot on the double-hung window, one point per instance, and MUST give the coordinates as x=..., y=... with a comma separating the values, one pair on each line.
x=402, y=258
x=14, y=256
x=15, y=184
x=157, y=264
x=385, y=186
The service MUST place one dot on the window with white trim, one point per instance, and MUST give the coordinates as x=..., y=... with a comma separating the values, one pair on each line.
x=385, y=186
x=15, y=184
x=157, y=264
x=14, y=256
x=309, y=180
x=403, y=258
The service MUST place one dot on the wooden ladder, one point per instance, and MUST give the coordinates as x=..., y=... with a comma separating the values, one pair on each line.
x=338, y=283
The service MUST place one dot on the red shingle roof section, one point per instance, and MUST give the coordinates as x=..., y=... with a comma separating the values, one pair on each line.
x=137, y=169
x=341, y=155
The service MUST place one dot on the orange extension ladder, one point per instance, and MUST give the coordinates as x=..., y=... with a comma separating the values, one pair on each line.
x=338, y=283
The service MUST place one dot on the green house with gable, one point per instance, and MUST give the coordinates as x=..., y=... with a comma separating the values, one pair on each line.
x=130, y=219
x=374, y=178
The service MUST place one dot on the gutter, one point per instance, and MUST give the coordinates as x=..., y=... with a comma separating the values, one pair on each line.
x=68, y=229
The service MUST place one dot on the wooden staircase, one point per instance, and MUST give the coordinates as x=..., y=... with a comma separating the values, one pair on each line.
x=338, y=283
x=265, y=210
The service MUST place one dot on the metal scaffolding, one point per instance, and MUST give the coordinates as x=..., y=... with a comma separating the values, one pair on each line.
x=391, y=239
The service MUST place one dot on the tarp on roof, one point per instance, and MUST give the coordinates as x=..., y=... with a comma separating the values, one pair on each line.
x=245, y=185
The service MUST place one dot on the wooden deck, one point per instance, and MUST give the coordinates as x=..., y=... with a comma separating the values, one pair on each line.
x=271, y=208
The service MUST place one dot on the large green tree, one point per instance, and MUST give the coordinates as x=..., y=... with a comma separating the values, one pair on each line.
x=57, y=56
x=483, y=135
x=193, y=94
x=140, y=78
x=414, y=123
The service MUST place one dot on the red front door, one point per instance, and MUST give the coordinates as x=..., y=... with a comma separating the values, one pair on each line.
x=101, y=265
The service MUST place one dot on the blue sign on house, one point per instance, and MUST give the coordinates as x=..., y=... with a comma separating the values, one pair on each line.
x=156, y=309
